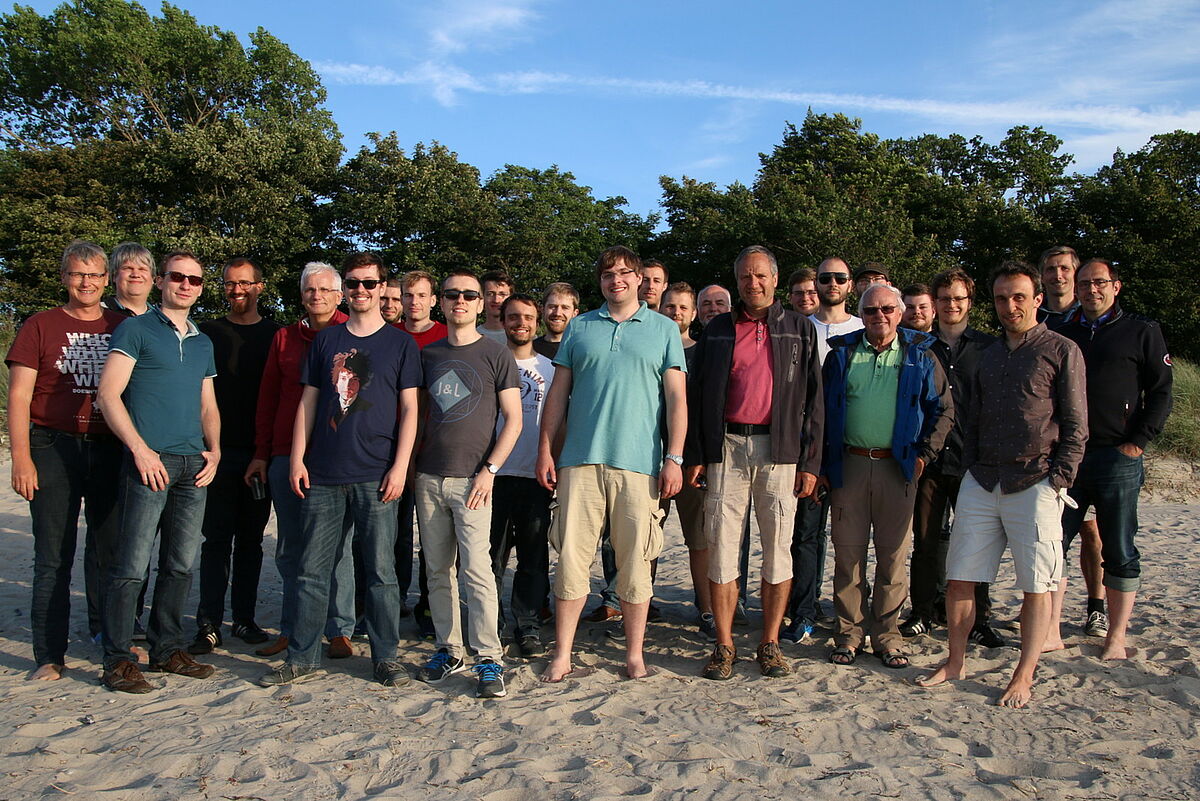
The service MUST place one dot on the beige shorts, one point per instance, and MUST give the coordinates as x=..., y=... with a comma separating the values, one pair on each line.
x=747, y=475
x=589, y=496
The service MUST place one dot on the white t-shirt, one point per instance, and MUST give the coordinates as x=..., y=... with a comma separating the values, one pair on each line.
x=536, y=374
x=827, y=330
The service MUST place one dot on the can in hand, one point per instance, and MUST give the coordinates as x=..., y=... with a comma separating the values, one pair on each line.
x=258, y=490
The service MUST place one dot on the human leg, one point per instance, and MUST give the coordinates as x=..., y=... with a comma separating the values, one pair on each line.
x=375, y=528
x=323, y=536
x=434, y=497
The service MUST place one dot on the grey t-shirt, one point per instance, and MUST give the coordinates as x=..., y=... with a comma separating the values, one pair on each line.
x=463, y=382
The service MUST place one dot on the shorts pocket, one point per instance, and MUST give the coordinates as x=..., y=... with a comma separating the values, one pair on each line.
x=554, y=533
x=654, y=537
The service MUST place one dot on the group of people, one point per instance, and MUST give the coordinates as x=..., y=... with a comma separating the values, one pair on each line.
x=365, y=425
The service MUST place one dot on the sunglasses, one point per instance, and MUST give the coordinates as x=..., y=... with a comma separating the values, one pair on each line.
x=177, y=277
x=365, y=283
x=465, y=294
x=872, y=310
x=829, y=278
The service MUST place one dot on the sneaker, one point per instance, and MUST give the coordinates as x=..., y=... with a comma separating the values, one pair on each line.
x=287, y=673
x=139, y=631
x=340, y=648
x=915, y=626
x=360, y=633
x=720, y=664
x=530, y=646
x=799, y=630
x=708, y=626
x=391, y=674
x=616, y=632
x=250, y=632
x=1096, y=625
x=985, y=635
x=441, y=667
x=425, y=625
x=491, y=679
x=740, y=614
x=208, y=637
x=771, y=661
x=126, y=678
x=181, y=664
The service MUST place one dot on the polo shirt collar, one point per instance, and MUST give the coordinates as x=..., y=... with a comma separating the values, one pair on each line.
x=639, y=315
x=192, y=330
x=866, y=347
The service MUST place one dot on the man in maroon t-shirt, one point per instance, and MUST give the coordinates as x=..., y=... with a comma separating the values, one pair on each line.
x=63, y=453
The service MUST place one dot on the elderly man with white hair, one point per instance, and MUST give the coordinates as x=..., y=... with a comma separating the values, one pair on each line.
x=887, y=412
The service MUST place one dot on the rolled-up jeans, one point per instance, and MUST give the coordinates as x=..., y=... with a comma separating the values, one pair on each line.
x=1110, y=481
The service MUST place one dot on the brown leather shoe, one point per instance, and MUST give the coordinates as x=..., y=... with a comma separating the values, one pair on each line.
x=126, y=678
x=602, y=613
x=340, y=648
x=279, y=646
x=181, y=664
x=771, y=661
x=720, y=664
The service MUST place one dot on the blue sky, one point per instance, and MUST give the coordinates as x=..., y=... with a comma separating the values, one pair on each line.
x=621, y=92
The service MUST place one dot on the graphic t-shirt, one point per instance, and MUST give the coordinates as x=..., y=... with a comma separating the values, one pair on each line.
x=360, y=379
x=68, y=355
x=537, y=375
x=240, y=352
x=463, y=382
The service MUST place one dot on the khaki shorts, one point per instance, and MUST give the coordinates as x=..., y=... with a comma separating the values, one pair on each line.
x=1029, y=522
x=589, y=496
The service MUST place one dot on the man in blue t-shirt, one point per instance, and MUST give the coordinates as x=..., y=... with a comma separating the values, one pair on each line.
x=351, y=446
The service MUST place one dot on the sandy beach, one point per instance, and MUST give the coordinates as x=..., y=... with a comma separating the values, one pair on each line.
x=1096, y=730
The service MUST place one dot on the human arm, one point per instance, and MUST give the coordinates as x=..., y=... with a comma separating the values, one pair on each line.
x=21, y=381
x=938, y=407
x=510, y=406
x=265, y=409
x=118, y=369
x=670, y=476
x=406, y=437
x=306, y=412
x=553, y=415
x=210, y=426
x=1155, y=381
x=1070, y=387
x=812, y=432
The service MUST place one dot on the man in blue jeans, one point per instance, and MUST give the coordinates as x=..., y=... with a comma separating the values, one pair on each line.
x=351, y=445
x=156, y=392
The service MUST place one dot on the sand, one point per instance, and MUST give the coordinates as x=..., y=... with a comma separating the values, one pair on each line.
x=1095, y=730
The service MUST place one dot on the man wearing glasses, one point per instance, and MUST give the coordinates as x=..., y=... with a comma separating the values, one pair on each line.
x=157, y=395
x=802, y=292
x=235, y=514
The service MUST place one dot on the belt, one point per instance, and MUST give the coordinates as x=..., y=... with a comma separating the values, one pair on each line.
x=874, y=454
x=746, y=429
x=85, y=437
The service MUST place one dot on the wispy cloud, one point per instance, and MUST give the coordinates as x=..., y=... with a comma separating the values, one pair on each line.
x=463, y=24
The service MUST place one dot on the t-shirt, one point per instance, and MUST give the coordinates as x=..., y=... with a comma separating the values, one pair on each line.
x=163, y=395
x=430, y=335
x=546, y=347
x=617, y=407
x=240, y=353
x=68, y=355
x=463, y=382
x=496, y=335
x=537, y=375
x=359, y=379
x=827, y=331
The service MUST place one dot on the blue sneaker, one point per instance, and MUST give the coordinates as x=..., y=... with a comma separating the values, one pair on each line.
x=799, y=630
x=441, y=667
x=491, y=679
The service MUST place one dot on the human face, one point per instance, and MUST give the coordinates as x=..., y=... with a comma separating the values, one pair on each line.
x=680, y=307
x=133, y=281
x=557, y=312
x=241, y=289
x=881, y=315
x=178, y=295
x=756, y=282
x=1016, y=303
x=803, y=297
x=391, y=303
x=918, y=313
x=619, y=283
x=864, y=281
x=460, y=312
x=713, y=300
x=1058, y=276
x=833, y=282
x=319, y=296
x=520, y=322
x=85, y=282
x=1096, y=290
x=494, y=295
x=953, y=303
x=417, y=300
x=654, y=281
x=361, y=299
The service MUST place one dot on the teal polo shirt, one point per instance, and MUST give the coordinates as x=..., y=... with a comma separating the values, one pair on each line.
x=163, y=395
x=617, y=407
x=872, y=383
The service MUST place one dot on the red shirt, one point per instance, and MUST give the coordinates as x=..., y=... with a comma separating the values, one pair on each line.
x=751, y=379
x=429, y=335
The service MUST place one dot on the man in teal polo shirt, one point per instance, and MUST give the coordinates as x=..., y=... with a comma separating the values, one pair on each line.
x=622, y=369
x=156, y=392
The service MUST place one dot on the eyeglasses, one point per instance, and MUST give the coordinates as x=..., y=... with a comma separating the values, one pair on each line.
x=804, y=292
x=176, y=277
x=81, y=277
x=828, y=278
x=1097, y=283
x=239, y=284
x=465, y=294
x=365, y=283
x=613, y=275
x=872, y=310
x=319, y=290
x=952, y=299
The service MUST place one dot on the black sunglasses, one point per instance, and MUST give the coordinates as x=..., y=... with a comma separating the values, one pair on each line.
x=828, y=278
x=466, y=294
x=355, y=283
x=179, y=278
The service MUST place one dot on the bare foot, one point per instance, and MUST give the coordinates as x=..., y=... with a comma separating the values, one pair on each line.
x=49, y=672
x=1115, y=649
x=1055, y=644
x=557, y=670
x=1018, y=694
x=942, y=675
x=636, y=668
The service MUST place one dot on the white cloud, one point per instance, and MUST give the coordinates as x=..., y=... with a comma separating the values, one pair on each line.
x=459, y=26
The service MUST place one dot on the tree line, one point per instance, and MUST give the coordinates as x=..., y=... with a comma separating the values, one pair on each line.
x=119, y=124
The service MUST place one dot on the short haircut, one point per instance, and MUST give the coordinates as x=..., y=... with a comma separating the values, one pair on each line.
x=617, y=253
x=364, y=258
x=242, y=261
x=1058, y=250
x=749, y=251
x=498, y=277
x=521, y=297
x=656, y=263
x=913, y=290
x=561, y=288
x=876, y=288
x=802, y=275
x=828, y=259
x=713, y=286
x=394, y=282
x=83, y=251
x=172, y=256
x=1112, y=268
x=1012, y=268
x=318, y=267
x=461, y=272
x=953, y=276
x=413, y=276
x=680, y=286
x=129, y=251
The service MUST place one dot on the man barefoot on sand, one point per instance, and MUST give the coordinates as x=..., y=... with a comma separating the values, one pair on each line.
x=1024, y=432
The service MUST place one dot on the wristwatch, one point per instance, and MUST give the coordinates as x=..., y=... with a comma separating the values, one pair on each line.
x=491, y=468
x=677, y=459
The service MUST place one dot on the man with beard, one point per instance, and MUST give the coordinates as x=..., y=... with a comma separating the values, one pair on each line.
x=714, y=299
x=560, y=304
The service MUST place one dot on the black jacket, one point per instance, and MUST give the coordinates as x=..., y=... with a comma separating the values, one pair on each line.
x=960, y=364
x=797, y=405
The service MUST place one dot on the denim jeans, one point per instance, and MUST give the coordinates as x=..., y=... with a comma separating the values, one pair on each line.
x=1110, y=481
x=340, y=621
x=520, y=520
x=70, y=471
x=176, y=512
x=323, y=537
x=809, y=543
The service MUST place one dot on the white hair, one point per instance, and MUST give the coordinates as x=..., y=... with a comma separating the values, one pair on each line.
x=316, y=268
x=875, y=287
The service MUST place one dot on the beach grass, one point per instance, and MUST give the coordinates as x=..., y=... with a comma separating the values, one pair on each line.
x=1181, y=436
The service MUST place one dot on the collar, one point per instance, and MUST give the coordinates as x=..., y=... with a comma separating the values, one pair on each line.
x=866, y=347
x=639, y=315
x=1028, y=336
x=191, y=331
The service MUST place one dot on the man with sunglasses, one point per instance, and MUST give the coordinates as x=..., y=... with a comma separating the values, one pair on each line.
x=831, y=317
x=351, y=444
x=888, y=409
x=157, y=395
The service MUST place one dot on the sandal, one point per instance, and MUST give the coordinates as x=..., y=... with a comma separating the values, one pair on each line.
x=894, y=660
x=843, y=655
